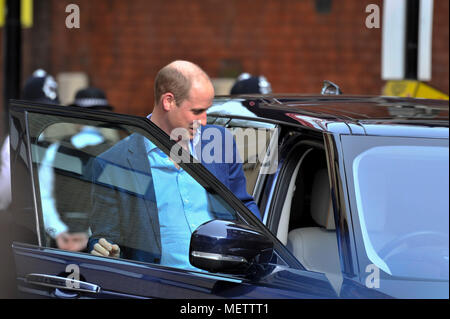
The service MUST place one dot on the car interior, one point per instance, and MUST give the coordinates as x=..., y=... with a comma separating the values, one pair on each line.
x=307, y=225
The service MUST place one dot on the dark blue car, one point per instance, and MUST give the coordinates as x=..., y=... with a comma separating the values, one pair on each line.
x=353, y=193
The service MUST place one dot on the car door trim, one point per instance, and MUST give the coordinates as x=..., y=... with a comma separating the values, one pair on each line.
x=62, y=283
x=33, y=187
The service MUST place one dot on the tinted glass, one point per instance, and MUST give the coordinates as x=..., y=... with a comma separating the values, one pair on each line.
x=257, y=146
x=401, y=197
x=101, y=182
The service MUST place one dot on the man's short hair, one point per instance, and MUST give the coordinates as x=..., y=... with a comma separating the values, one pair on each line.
x=178, y=78
x=170, y=79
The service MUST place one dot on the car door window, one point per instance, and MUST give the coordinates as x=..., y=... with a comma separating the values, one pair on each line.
x=96, y=181
x=257, y=143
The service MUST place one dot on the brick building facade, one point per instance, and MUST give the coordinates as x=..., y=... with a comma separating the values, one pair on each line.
x=121, y=45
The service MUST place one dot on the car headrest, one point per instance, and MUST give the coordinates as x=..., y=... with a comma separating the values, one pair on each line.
x=321, y=206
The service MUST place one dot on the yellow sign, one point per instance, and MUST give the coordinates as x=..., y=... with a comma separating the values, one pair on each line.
x=411, y=88
x=2, y=12
x=26, y=13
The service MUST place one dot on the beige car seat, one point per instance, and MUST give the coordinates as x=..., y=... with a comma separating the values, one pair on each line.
x=316, y=247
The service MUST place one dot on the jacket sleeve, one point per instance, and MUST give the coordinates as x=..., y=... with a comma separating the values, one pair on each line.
x=104, y=217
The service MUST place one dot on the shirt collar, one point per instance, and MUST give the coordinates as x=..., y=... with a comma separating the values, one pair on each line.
x=149, y=146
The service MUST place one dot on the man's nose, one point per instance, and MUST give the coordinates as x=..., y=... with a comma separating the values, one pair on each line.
x=202, y=118
x=205, y=118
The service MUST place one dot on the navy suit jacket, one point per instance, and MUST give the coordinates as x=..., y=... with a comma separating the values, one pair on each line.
x=124, y=205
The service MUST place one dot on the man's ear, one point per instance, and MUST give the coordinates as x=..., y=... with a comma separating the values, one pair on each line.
x=168, y=101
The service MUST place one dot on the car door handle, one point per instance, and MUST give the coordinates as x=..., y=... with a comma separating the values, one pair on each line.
x=62, y=283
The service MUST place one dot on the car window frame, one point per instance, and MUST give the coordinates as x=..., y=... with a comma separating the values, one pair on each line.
x=290, y=152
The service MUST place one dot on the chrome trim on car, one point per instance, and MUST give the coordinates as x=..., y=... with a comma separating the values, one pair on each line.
x=218, y=257
x=62, y=283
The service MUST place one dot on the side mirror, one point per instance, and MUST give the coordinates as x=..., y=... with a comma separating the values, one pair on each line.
x=230, y=248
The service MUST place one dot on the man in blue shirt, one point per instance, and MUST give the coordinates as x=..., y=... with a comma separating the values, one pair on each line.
x=180, y=210
x=152, y=215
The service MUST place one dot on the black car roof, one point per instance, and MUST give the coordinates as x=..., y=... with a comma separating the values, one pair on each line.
x=362, y=111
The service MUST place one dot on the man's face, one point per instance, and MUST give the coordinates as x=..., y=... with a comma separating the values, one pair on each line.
x=191, y=113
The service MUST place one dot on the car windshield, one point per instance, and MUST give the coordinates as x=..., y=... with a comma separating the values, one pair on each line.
x=401, y=190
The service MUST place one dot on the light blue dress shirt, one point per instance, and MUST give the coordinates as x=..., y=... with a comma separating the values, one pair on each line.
x=182, y=206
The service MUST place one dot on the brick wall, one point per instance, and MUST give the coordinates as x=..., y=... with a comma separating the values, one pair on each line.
x=440, y=63
x=122, y=44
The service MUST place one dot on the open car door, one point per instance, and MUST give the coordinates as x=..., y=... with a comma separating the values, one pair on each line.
x=56, y=184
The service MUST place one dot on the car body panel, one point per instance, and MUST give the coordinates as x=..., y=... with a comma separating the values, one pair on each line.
x=127, y=279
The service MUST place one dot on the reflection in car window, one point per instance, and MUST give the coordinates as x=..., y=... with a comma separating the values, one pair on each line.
x=401, y=194
x=257, y=146
x=147, y=205
x=63, y=157
x=126, y=191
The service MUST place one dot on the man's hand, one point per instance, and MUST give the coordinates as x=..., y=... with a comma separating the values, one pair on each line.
x=105, y=249
x=72, y=241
